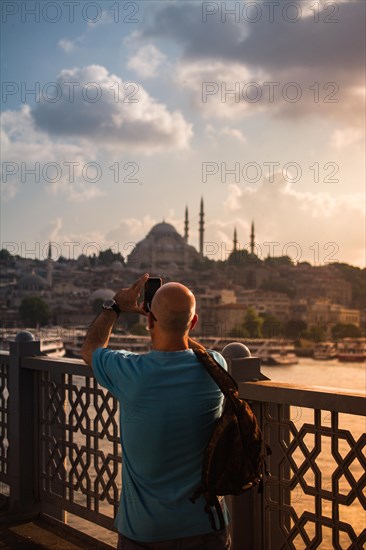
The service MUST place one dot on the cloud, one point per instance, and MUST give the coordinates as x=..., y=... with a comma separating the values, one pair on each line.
x=67, y=45
x=347, y=137
x=104, y=19
x=146, y=61
x=218, y=135
x=101, y=107
x=216, y=88
x=325, y=60
x=284, y=215
x=133, y=229
x=25, y=148
x=70, y=244
x=234, y=133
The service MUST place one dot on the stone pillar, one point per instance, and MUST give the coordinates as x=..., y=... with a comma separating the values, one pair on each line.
x=22, y=431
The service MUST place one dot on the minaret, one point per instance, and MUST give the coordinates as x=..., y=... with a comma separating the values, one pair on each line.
x=235, y=241
x=201, y=227
x=186, y=225
x=49, y=266
x=252, y=243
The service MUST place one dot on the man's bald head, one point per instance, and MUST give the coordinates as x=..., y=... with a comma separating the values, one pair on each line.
x=174, y=307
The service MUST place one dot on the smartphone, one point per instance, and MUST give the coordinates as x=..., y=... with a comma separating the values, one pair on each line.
x=151, y=286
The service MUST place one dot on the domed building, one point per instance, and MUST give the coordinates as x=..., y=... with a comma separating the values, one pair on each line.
x=162, y=248
x=32, y=283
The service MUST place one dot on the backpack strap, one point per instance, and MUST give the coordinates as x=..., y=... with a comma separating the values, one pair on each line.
x=223, y=379
x=219, y=515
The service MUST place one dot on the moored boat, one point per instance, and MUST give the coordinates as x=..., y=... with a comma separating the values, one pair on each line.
x=324, y=351
x=352, y=349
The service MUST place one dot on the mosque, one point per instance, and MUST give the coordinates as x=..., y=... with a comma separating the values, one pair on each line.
x=164, y=247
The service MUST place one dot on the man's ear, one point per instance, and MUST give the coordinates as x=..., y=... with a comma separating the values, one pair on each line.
x=150, y=321
x=194, y=321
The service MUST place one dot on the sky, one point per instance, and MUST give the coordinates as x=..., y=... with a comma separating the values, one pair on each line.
x=118, y=115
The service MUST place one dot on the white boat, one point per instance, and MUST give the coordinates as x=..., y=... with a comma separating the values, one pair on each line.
x=276, y=352
x=323, y=351
x=118, y=340
x=352, y=349
x=53, y=347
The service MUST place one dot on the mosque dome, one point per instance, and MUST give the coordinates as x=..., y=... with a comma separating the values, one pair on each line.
x=32, y=281
x=102, y=294
x=162, y=247
x=161, y=229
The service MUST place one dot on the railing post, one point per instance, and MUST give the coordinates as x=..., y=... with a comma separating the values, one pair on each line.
x=22, y=435
x=246, y=525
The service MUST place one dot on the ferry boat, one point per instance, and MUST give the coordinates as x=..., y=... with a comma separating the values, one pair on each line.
x=53, y=347
x=352, y=349
x=118, y=340
x=323, y=351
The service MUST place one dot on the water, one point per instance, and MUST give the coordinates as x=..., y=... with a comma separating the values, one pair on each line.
x=307, y=372
x=348, y=376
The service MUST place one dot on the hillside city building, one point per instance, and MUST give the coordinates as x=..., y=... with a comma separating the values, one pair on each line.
x=225, y=289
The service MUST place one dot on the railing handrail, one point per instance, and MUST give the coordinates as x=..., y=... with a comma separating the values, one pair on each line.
x=65, y=366
x=313, y=397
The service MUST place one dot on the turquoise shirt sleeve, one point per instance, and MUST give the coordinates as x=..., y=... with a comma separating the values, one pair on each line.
x=114, y=369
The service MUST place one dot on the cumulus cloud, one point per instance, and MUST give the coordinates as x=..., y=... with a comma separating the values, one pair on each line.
x=306, y=53
x=131, y=228
x=68, y=45
x=216, y=134
x=234, y=133
x=25, y=149
x=69, y=243
x=101, y=107
x=146, y=61
x=347, y=137
x=303, y=218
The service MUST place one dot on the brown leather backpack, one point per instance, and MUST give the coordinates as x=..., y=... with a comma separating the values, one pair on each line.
x=233, y=459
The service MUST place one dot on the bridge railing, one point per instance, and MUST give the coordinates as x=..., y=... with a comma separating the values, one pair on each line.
x=60, y=452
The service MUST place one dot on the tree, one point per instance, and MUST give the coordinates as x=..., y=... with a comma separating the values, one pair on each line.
x=271, y=326
x=316, y=333
x=252, y=325
x=295, y=329
x=107, y=257
x=5, y=256
x=34, y=311
x=278, y=260
x=345, y=330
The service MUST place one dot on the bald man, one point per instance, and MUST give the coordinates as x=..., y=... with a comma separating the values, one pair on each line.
x=168, y=407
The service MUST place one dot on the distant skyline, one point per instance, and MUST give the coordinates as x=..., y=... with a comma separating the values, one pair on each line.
x=116, y=116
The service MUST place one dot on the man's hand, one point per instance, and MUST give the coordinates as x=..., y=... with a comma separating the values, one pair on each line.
x=99, y=332
x=126, y=298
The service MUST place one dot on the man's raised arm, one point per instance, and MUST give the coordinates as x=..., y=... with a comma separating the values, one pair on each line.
x=99, y=332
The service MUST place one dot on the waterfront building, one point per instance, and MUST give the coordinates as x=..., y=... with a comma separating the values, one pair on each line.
x=326, y=312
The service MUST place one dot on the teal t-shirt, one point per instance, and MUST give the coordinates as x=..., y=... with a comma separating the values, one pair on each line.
x=168, y=405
